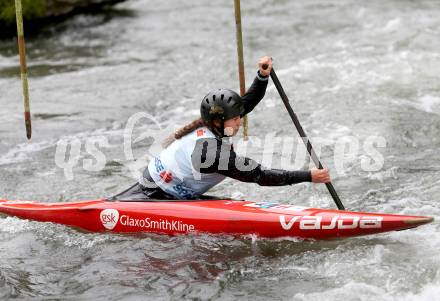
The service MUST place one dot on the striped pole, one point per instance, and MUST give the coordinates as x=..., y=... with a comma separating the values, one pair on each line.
x=23, y=68
x=240, y=60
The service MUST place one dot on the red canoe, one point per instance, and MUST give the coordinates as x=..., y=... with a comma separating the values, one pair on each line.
x=269, y=220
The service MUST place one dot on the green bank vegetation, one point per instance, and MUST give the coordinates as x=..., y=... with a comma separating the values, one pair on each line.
x=32, y=9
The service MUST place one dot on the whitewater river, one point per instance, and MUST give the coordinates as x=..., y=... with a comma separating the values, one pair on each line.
x=354, y=70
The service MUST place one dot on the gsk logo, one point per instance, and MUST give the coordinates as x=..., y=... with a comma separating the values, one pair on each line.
x=109, y=218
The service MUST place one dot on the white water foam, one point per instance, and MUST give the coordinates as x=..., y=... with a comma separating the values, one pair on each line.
x=429, y=103
x=367, y=292
x=14, y=225
x=22, y=152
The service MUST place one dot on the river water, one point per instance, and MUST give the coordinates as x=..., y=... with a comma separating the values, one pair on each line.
x=352, y=69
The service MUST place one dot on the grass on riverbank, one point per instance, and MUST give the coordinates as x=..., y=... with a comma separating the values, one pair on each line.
x=32, y=9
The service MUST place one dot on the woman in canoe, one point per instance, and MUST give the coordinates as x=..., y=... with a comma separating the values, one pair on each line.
x=199, y=155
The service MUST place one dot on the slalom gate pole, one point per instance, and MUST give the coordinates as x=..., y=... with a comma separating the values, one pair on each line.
x=240, y=60
x=23, y=67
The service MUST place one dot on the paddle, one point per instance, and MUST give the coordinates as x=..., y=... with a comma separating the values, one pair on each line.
x=303, y=135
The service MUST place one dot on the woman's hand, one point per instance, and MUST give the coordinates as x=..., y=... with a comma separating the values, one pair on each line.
x=265, y=60
x=320, y=176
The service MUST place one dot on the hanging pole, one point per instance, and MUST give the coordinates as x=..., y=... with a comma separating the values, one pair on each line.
x=240, y=60
x=23, y=68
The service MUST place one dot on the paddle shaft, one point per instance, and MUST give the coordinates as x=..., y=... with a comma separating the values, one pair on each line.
x=303, y=135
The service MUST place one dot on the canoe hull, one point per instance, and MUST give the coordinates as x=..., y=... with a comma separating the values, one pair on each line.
x=240, y=218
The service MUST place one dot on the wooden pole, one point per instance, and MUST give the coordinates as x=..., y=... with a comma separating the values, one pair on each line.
x=240, y=60
x=23, y=68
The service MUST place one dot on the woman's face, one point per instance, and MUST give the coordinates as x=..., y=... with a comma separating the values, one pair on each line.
x=232, y=126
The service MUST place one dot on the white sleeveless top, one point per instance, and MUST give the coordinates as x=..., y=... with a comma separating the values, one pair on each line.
x=173, y=172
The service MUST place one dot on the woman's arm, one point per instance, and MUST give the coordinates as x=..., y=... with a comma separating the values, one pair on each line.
x=216, y=156
x=257, y=90
x=254, y=94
